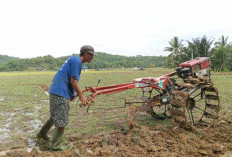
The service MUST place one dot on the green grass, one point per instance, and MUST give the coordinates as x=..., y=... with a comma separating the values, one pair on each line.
x=21, y=93
x=45, y=73
x=27, y=73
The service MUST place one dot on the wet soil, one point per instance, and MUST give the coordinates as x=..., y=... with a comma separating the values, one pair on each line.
x=44, y=87
x=144, y=141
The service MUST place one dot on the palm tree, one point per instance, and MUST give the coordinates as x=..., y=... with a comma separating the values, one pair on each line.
x=205, y=46
x=220, y=53
x=192, y=49
x=201, y=46
x=176, y=48
x=223, y=42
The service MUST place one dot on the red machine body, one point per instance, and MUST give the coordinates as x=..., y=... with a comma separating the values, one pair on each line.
x=202, y=62
x=154, y=82
x=159, y=83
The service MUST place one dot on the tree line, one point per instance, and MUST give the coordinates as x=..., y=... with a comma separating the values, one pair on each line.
x=100, y=61
x=220, y=51
x=5, y=59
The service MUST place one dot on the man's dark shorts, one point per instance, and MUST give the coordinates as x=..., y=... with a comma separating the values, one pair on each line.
x=59, y=110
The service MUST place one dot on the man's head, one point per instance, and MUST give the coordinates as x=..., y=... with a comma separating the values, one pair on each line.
x=87, y=53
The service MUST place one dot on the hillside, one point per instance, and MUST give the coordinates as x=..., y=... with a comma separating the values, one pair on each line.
x=101, y=60
x=6, y=59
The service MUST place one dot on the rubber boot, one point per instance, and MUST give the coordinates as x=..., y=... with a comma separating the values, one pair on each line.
x=43, y=133
x=57, y=141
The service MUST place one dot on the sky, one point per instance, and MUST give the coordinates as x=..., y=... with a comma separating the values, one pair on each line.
x=31, y=28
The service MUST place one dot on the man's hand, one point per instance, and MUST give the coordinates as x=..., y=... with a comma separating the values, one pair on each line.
x=83, y=100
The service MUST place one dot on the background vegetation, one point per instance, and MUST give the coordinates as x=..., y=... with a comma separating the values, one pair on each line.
x=101, y=61
x=219, y=50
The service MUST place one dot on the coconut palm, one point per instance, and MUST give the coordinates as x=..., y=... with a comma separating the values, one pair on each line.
x=220, y=53
x=205, y=47
x=192, y=49
x=223, y=42
x=176, y=48
x=201, y=47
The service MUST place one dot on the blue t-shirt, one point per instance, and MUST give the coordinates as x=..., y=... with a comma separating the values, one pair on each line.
x=61, y=82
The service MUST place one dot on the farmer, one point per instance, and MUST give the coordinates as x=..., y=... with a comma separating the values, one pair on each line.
x=62, y=91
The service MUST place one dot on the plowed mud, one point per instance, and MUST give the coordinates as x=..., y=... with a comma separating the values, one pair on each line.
x=144, y=141
x=44, y=87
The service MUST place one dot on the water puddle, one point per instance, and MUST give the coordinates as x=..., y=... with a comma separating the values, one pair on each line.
x=37, y=108
x=47, y=101
x=5, y=129
x=35, y=123
x=30, y=144
x=7, y=114
x=29, y=114
x=4, y=135
x=4, y=132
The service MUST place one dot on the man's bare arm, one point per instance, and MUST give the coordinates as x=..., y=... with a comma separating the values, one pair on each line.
x=77, y=89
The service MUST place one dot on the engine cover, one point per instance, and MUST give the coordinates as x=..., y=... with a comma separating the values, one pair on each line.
x=199, y=67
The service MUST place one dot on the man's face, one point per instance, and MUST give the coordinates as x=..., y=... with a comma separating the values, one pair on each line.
x=88, y=57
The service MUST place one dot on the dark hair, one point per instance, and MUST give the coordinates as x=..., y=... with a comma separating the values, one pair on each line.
x=86, y=49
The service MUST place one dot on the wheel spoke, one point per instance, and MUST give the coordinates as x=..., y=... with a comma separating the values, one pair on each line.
x=199, y=99
x=196, y=95
x=199, y=109
x=190, y=116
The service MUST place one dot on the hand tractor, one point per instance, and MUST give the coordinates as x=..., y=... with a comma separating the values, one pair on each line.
x=187, y=95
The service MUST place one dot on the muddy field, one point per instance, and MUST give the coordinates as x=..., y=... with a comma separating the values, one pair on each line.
x=144, y=141
x=103, y=131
